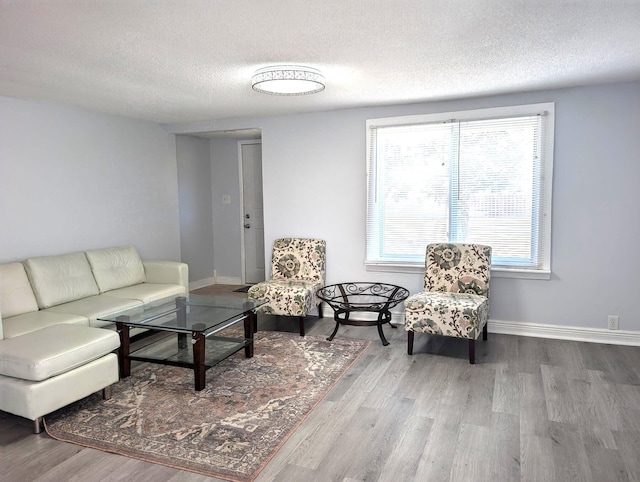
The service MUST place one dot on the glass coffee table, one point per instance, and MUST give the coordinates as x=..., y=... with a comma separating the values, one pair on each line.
x=208, y=321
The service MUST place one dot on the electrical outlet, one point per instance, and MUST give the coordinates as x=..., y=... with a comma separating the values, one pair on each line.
x=612, y=322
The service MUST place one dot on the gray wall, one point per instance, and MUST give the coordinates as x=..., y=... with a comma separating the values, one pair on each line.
x=196, y=214
x=314, y=185
x=72, y=180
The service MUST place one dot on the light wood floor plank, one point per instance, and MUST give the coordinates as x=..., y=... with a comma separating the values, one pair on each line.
x=437, y=459
x=533, y=408
x=503, y=451
x=536, y=455
x=506, y=391
x=629, y=443
x=560, y=407
x=404, y=457
x=469, y=463
x=569, y=454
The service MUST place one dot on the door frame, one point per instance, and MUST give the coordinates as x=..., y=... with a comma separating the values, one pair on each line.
x=243, y=261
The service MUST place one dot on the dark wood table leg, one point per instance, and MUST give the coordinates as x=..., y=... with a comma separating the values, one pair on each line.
x=124, y=361
x=249, y=325
x=181, y=320
x=199, y=369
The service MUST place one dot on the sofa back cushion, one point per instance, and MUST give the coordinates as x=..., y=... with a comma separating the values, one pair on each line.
x=16, y=295
x=116, y=268
x=60, y=279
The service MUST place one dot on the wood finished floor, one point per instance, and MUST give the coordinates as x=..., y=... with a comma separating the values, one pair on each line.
x=531, y=409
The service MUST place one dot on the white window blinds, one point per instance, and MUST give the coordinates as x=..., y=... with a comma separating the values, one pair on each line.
x=483, y=179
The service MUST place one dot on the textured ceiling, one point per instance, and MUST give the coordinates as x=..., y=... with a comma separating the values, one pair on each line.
x=191, y=60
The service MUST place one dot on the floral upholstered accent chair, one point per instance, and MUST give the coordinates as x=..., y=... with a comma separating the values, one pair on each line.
x=297, y=273
x=455, y=300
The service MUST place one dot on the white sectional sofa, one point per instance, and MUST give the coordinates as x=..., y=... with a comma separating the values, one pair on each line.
x=53, y=348
x=78, y=288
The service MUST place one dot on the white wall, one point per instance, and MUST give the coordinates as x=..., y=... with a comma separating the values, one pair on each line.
x=72, y=180
x=314, y=185
x=196, y=214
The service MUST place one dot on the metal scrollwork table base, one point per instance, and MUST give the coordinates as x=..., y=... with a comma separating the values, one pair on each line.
x=347, y=298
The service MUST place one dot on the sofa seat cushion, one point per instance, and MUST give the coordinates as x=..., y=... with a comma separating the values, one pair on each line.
x=60, y=279
x=22, y=324
x=16, y=295
x=148, y=292
x=96, y=306
x=54, y=350
x=115, y=268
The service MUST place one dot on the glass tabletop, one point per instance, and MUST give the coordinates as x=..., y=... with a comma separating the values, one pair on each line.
x=199, y=313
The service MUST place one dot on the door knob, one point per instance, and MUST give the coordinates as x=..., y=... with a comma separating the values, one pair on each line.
x=247, y=216
x=247, y=226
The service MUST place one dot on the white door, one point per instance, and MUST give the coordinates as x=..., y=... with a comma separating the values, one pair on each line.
x=253, y=221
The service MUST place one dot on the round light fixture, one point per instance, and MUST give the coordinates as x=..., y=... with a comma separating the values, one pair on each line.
x=287, y=80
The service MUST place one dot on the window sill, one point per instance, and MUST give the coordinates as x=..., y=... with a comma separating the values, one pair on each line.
x=542, y=274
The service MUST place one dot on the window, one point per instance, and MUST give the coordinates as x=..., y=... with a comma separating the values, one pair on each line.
x=481, y=176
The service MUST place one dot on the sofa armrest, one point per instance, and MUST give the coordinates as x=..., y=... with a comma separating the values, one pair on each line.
x=172, y=272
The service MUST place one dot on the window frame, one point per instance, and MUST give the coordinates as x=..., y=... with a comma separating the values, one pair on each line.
x=546, y=178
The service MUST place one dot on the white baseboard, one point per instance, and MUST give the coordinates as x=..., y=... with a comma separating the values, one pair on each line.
x=539, y=330
x=574, y=333
x=228, y=280
x=215, y=280
x=194, y=285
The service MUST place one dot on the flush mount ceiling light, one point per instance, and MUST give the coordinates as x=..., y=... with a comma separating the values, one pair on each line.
x=287, y=80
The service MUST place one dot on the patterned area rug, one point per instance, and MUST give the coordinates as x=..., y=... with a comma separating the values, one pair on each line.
x=229, y=430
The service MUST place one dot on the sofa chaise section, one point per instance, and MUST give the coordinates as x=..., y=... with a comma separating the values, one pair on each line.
x=49, y=368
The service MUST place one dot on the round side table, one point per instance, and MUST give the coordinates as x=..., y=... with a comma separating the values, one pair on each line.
x=346, y=298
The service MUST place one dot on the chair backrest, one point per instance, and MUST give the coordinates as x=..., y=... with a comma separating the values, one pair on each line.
x=298, y=259
x=458, y=268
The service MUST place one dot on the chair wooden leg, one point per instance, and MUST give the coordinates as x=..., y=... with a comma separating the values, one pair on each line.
x=410, y=342
x=472, y=352
x=320, y=310
x=301, y=318
x=484, y=331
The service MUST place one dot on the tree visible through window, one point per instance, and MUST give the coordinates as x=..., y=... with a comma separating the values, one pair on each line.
x=481, y=177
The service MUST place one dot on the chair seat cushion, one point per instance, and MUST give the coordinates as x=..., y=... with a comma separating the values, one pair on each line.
x=286, y=297
x=462, y=315
x=54, y=350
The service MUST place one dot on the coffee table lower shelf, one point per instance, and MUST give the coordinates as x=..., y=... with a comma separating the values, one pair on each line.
x=205, y=352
